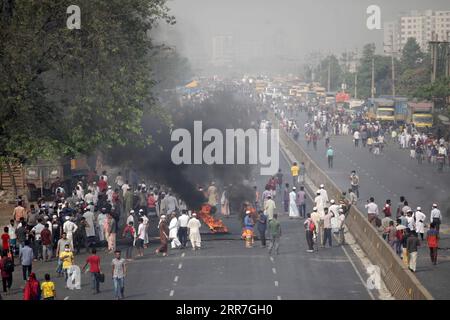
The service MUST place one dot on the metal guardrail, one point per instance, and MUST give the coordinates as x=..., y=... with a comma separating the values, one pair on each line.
x=401, y=283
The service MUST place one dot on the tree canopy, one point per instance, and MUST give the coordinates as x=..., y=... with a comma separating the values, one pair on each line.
x=65, y=92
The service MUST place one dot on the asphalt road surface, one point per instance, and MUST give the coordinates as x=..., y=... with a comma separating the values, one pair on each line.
x=224, y=269
x=389, y=176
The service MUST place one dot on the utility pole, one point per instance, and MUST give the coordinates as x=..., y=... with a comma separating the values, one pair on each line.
x=329, y=73
x=373, y=78
x=434, y=56
x=393, y=65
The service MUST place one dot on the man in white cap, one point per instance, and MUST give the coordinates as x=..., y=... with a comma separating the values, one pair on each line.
x=90, y=228
x=420, y=222
x=109, y=194
x=146, y=225
x=269, y=207
x=293, y=209
x=334, y=210
x=173, y=231
x=324, y=193
x=319, y=202
x=130, y=217
x=194, y=232
x=436, y=217
x=69, y=228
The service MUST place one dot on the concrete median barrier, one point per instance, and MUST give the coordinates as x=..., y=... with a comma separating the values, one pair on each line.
x=401, y=283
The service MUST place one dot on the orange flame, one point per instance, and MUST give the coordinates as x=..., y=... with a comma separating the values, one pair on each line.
x=216, y=226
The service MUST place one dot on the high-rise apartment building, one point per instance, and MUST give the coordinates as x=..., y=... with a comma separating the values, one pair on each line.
x=419, y=25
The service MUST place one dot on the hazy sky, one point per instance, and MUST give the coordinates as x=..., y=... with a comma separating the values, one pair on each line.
x=292, y=28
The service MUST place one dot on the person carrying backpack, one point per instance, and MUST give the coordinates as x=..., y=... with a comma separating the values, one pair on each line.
x=310, y=228
x=129, y=234
x=7, y=270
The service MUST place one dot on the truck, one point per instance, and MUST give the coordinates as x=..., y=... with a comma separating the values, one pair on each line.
x=400, y=106
x=420, y=114
x=401, y=110
x=41, y=177
x=381, y=110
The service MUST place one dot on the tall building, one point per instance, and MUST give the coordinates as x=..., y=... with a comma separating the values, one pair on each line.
x=391, y=41
x=419, y=25
x=222, y=50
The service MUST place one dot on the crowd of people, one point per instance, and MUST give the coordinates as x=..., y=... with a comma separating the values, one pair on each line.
x=92, y=218
x=404, y=229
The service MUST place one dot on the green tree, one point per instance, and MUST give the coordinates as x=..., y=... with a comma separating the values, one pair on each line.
x=437, y=91
x=413, y=71
x=332, y=63
x=382, y=68
x=65, y=92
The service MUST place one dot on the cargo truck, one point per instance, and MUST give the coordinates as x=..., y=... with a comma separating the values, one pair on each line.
x=420, y=114
x=381, y=110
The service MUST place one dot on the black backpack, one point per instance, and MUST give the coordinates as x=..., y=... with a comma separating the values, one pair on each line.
x=9, y=266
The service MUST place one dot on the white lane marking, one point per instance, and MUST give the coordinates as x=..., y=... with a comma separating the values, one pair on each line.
x=171, y=293
x=180, y=266
x=182, y=255
x=278, y=298
x=176, y=279
x=274, y=271
x=276, y=283
x=357, y=272
x=66, y=298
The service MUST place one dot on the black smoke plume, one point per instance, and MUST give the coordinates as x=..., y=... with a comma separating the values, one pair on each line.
x=222, y=110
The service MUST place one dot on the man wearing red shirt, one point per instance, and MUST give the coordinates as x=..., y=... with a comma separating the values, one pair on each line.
x=151, y=203
x=5, y=239
x=94, y=269
x=102, y=184
x=46, y=239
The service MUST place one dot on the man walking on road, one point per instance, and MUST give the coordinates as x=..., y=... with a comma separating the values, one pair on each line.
x=435, y=217
x=94, y=269
x=295, y=171
x=275, y=232
x=356, y=137
x=372, y=211
x=182, y=230
x=194, y=232
x=420, y=217
x=310, y=227
x=26, y=259
x=269, y=207
x=119, y=271
x=354, y=182
x=432, y=240
x=293, y=209
x=327, y=228
x=412, y=244
x=262, y=226
x=330, y=155
x=301, y=202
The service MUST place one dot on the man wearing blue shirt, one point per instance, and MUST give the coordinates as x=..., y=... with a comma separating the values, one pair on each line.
x=330, y=154
x=26, y=259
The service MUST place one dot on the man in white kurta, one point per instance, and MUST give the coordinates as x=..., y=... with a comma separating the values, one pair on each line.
x=293, y=209
x=269, y=208
x=173, y=232
x=69, y=228
x=90, y=229
x=194, y=232
x=420, y=222
x=100, y=226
